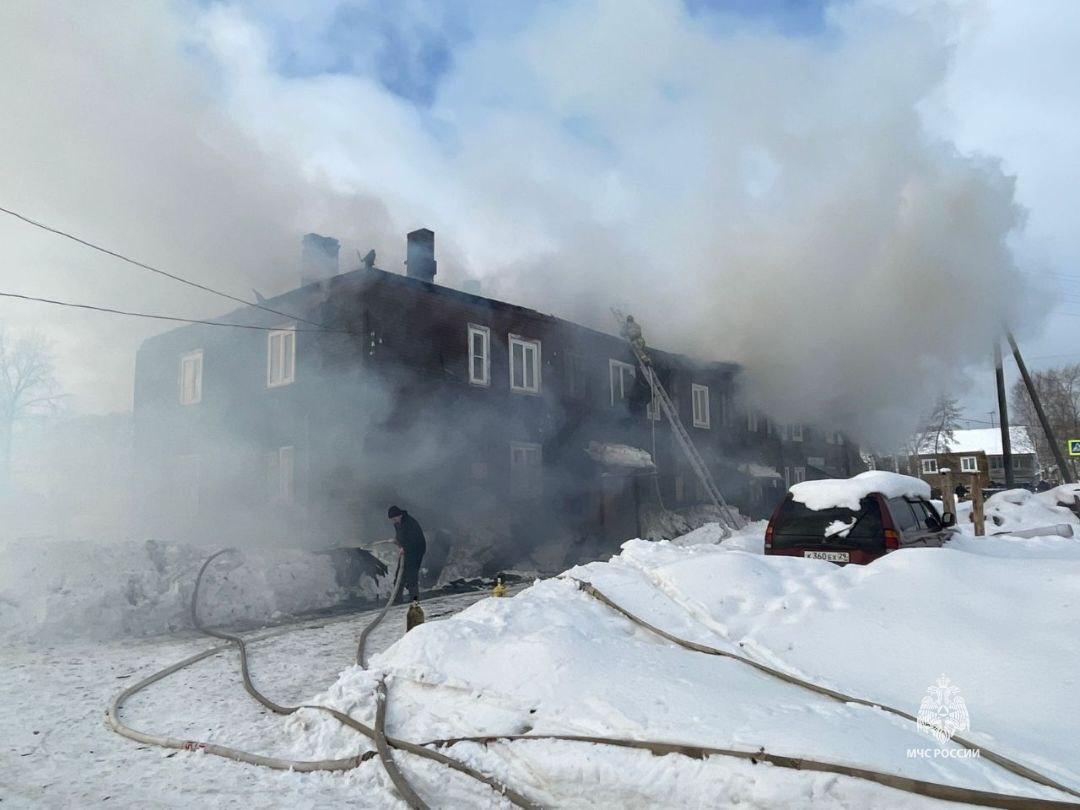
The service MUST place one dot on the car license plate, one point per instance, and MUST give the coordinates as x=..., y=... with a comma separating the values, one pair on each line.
x=831, y=556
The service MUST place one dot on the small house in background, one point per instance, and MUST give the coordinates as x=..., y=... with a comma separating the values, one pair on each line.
x=962, y=467
x=971, y=451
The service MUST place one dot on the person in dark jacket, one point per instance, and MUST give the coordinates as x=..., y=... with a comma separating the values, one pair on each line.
x=410, y=538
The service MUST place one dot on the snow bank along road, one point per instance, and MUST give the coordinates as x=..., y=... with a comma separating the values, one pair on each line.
x=991, y=614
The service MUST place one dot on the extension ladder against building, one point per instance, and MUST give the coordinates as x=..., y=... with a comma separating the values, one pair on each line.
x=732, y=519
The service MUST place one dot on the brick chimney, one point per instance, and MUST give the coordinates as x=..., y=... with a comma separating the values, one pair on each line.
x=420, y=255
x=318, y=258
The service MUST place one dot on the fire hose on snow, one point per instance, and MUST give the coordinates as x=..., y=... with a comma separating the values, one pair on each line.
x=384, y=743
x=376, y=734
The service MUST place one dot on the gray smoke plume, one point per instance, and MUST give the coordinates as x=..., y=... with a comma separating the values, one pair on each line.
x=774, y=200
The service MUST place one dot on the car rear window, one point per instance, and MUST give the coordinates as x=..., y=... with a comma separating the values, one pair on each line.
x=797, y=525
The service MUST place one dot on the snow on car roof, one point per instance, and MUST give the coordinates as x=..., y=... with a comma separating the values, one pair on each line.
x=847, y=492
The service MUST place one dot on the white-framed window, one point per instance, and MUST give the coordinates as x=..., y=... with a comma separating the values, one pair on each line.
x=526, y=469
x=796, y=432
x=929, y=465
x=700, y=400
x=524, y=365
x=622, y=376
x=798, y=475
x=188, y=484
x=969, y=464
x=752, y=421
x=281, y=474
x=280, y=357
x=479, y=355
x=191, y=378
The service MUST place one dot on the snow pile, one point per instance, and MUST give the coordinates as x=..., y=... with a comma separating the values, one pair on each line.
x=708, y=534
x=993, y=615
x=1065, y=495
x=98, y=590
x=658, y=523
x=750, y=538
x=1018, y=510
x=847, y=492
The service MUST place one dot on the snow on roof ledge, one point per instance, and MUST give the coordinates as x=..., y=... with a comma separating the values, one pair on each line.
x=847, y=492
x=759, y=470
x=620, y=455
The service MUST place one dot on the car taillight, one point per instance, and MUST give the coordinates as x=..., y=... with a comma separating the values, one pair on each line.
x=772, y=520
x=892, y=539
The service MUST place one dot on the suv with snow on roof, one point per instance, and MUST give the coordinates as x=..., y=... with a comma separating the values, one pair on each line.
x=856, y=520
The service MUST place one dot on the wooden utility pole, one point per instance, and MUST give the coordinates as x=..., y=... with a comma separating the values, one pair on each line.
x=1003, y=410
x=948, y=491
x=978, y=515
x=1059, y=457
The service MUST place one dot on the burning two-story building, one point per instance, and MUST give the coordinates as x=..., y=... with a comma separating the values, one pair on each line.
x=481, y=417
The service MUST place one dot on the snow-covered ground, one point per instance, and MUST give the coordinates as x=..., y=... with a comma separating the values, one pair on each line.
x=56, y=751
x=99, y=590
x=1021, y=510
x=994, y=615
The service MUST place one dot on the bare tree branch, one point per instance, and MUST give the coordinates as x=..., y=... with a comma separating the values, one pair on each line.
x=27, y=386
x=1059, y=390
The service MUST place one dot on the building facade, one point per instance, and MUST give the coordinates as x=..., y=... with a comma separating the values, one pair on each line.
x=474, y=414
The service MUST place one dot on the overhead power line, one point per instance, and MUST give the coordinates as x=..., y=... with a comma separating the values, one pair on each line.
x=1055, y=356
x=151, y=268
x=174, y=318
x=418, y=368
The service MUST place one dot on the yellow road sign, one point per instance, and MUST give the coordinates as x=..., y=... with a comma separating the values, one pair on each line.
x=1074, y=447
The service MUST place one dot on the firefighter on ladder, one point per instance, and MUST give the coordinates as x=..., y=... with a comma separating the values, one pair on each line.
x=631, y=330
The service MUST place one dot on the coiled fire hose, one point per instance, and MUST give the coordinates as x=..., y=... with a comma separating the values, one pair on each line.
x=658, y=748
x=377, y=734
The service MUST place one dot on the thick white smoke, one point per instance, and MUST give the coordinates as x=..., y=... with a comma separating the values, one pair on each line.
x=110, y=129
x=772, y=199
x=750, y=196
